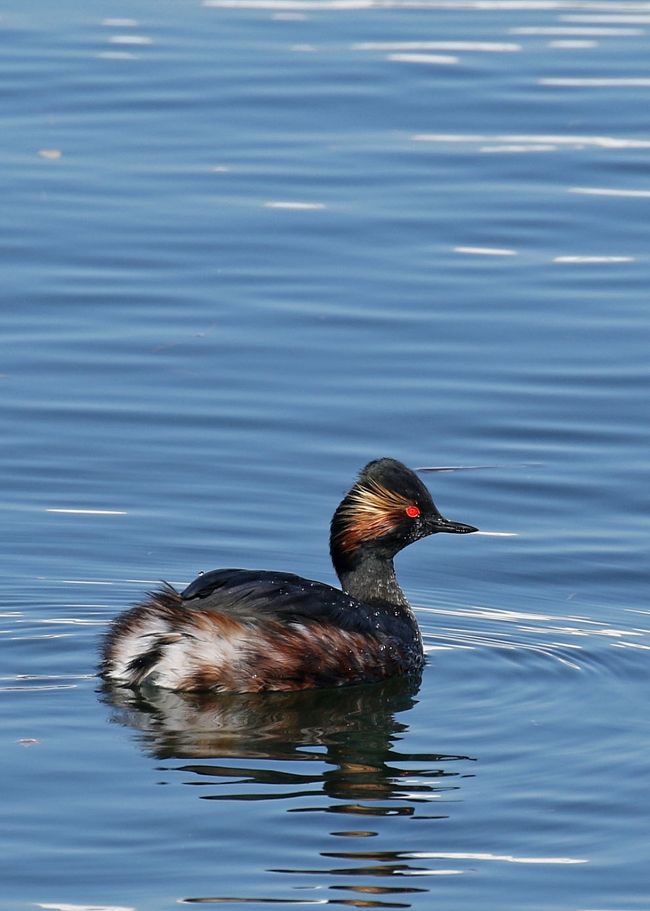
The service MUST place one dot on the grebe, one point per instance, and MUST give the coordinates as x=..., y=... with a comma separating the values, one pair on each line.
x=248, y=631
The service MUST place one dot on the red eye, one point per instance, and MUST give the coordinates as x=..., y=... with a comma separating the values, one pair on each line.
x=412, y=512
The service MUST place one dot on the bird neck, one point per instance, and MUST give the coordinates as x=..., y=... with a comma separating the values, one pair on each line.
x=371, y=579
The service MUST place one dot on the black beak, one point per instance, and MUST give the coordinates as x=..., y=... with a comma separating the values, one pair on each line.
x=439, y=523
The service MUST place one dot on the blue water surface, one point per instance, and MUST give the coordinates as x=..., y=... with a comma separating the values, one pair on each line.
x=247, y=246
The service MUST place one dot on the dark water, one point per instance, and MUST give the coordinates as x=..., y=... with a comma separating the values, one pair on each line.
x=246, y=247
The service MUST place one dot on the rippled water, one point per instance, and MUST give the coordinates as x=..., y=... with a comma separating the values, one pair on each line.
x=248, y=245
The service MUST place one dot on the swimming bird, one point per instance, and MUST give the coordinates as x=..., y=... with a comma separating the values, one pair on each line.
x=247, y=631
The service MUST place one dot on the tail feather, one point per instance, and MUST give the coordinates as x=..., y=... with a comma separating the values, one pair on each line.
x=136, y=640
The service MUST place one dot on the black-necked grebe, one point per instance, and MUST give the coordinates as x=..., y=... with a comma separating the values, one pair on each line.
x=242, y=631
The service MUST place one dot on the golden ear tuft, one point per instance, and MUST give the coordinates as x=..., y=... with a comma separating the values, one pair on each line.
x=370, y=512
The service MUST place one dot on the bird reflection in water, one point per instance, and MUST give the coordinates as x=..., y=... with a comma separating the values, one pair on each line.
x=351, y=735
